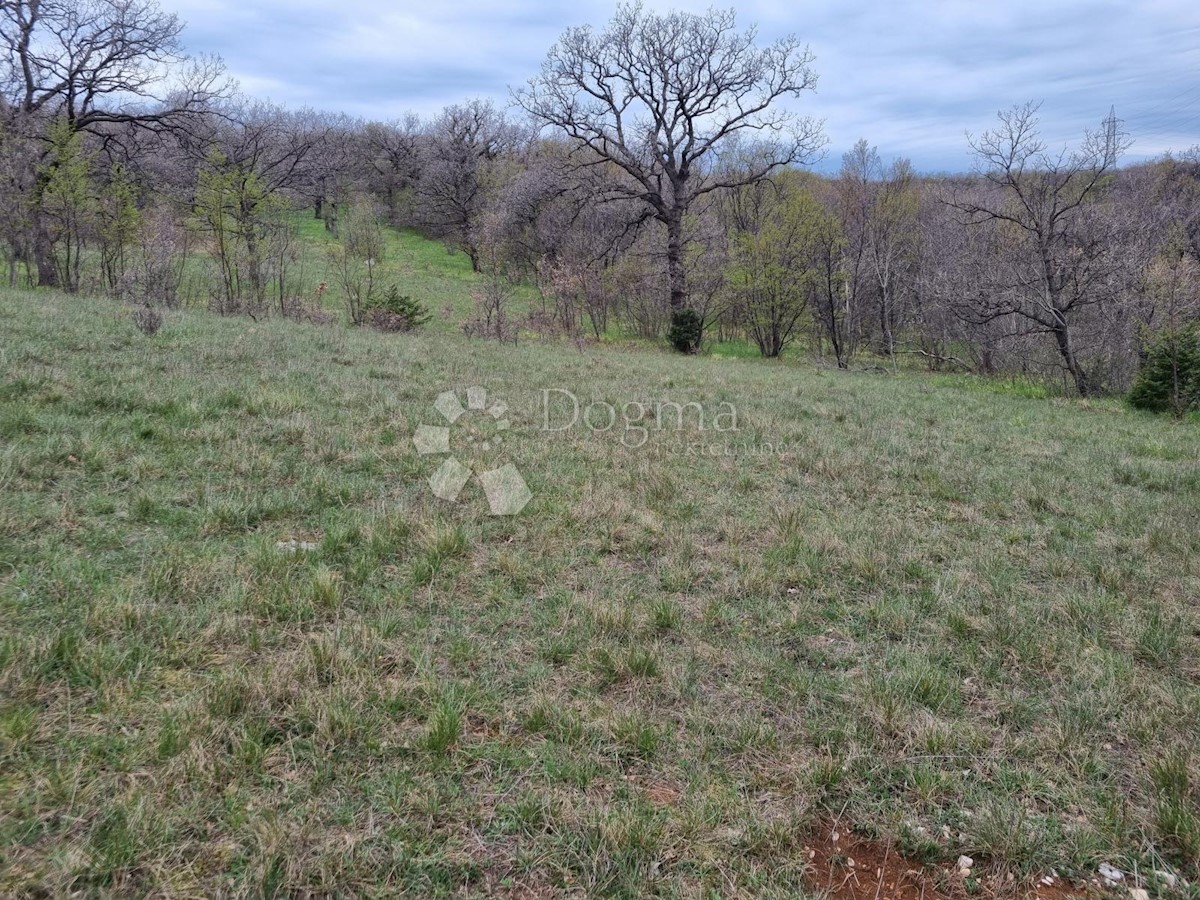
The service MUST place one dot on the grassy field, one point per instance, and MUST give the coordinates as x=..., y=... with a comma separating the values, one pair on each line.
x=440, y=278
x=962, y=620
x=424, y=269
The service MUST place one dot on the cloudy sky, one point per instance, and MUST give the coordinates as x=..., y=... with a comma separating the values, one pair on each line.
x=910, y=77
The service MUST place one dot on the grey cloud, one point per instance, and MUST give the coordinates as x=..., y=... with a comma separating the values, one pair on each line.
x=911, y=77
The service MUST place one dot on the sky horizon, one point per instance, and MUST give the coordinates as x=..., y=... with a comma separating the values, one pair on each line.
x=912, y=78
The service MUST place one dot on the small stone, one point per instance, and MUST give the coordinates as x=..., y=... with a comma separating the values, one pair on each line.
x=1111, y=873
x=1139, y=894
x=964, y=873
x=1166, y=878
x=850, y=862
x=965, y=862
x=835, y=837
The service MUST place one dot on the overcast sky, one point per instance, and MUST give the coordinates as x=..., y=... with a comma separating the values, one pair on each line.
x=910, y=77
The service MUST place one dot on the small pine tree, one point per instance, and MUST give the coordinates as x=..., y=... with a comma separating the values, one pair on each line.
x=1169, y=380
x=686, y=331
x=397, y=312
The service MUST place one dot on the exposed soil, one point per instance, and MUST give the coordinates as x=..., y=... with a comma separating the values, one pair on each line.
x=846, y=866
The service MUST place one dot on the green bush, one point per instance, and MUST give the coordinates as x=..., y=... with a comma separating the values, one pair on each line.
x=396, y=312
x=686, y=331
x=1169, y=380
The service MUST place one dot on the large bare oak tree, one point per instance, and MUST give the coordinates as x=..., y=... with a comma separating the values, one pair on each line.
x=654, y=96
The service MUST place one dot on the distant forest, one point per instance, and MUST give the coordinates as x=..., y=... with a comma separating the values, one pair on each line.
x=650, y=180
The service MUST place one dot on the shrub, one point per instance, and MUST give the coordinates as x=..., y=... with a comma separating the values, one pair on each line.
x=147, y=319
x=397, y=312
x=297, y=310
x=1169, y=380
x=686, y=331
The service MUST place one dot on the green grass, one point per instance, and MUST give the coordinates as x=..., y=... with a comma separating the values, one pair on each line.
x=440, y=278
x=966, y=620
x=423, y=269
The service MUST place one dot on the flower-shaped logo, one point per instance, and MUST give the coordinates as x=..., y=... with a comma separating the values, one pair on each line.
x=481, y=438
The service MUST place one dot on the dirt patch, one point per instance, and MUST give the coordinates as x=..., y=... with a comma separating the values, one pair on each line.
x=846, y=866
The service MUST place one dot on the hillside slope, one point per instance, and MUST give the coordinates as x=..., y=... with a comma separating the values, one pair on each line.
x=246, y=649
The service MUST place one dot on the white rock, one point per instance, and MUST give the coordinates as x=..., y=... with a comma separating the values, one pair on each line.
x=965, y=862
x=1167, y=878
x=1139, y=894
x=1111, y=873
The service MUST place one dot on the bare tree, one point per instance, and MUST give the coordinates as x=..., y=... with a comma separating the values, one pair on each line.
x=356, y=258
x=831, y=303
x=654, y=96
x=461, y=154
x=1059, y=256
x=253, y=155
x=855, y=190
x=102, y=62
x=18, y=175
x=332, y=170
x=98, y=64
x=393, y=163
x=892, y=248
x=943, y=272
x=495, y=292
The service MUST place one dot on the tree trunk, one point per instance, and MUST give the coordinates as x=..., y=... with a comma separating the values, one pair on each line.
x=1062, y=337
x=676, y=274
x=43, y=254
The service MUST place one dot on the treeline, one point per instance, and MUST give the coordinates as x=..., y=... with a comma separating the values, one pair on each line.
x=648, y=181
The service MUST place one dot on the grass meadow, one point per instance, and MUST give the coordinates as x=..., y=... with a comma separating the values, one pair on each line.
x=958, y=619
